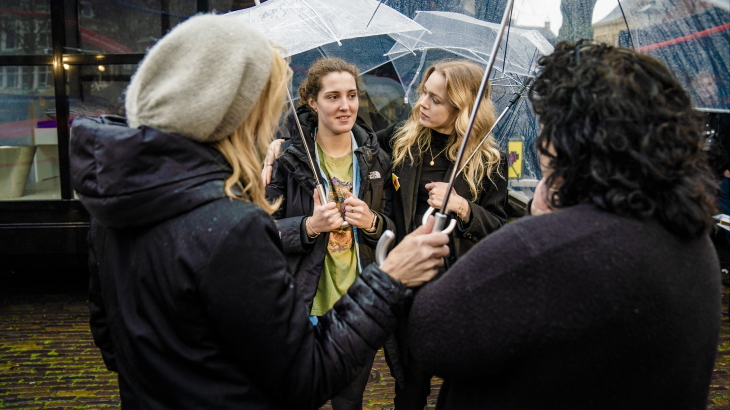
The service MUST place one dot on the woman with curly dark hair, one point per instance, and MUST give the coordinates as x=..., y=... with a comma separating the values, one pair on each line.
x=608, y=296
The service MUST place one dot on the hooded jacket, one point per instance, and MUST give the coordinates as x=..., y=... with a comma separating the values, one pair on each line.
x=190, y=297
x=293, y=180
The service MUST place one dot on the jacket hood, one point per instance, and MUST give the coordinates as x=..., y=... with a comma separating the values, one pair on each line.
x=129, y=177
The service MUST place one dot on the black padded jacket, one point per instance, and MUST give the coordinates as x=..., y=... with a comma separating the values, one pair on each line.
x=293, y=180
x=190, y=297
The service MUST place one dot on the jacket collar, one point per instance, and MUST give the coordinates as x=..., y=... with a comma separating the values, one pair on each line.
x=294, y=156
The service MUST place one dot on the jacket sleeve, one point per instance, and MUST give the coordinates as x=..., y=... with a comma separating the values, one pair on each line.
x=255, y=305
x=487, y=213
x=292, y=230
x=97, y=312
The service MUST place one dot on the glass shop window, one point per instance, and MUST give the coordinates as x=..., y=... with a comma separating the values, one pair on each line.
x=29, y=167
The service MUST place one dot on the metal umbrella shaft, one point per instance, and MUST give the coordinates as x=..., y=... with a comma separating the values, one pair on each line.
x=315, y=172
x=441, y=216
x=315, y=169
x=499, y=119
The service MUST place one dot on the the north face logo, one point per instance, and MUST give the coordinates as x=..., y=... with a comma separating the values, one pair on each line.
x=375, y=175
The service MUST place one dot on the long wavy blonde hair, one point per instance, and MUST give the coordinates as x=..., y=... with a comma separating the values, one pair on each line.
x=245, y=147
x=462, y=85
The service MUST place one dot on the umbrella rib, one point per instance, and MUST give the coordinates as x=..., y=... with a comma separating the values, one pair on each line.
x=373, y=16
x=339, y=43
x=633, y=45
x=401, y=43
x=418, y=71
x=476, y=55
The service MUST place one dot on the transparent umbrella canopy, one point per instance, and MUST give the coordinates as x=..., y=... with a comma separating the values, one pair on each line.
x=690, y=37
x=359, y=31
x=453, y=36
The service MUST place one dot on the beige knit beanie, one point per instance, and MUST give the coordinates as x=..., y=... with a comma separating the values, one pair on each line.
x=201, y=80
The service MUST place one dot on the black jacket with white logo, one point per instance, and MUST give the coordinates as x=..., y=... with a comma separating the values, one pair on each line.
x=293, y=180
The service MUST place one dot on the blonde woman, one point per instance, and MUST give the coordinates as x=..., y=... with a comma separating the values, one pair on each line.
x=190, y=298
x=424, y=149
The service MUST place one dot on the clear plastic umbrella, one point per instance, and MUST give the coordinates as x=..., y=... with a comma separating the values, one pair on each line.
x=457, y=36
x=690, y=37
x=359, y=31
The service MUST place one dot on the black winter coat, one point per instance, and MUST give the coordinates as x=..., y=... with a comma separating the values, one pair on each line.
x=487, y=215
x=190, y=297
x=293, y=180
x=487, y=211
x=578, y=309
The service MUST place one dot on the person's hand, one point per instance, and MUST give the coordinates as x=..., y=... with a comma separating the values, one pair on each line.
x=357, y=212
x=457, y=204
x=271, y=154
x=325, y=218
x=541, y=200
x=417, y=259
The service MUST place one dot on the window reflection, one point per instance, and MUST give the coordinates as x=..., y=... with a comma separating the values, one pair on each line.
x=129, y=26
x=28, y=140
x=96, y=90
x=25, y=27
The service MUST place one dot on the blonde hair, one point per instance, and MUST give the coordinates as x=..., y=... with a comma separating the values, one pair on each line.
x=462, y=85
x=243, y=149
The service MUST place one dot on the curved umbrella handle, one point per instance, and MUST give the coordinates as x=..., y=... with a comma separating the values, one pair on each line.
x=384, y=244
x=438, y=225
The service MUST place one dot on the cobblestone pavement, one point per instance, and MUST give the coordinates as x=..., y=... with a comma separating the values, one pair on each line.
x=48, y=359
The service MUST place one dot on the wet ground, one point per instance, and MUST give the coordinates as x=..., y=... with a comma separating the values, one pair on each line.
x=48, y=359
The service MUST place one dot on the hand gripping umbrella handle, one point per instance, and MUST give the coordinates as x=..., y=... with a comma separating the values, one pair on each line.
x=322, y=194
x=323, y=200
x=440, y=221
x=387, y=238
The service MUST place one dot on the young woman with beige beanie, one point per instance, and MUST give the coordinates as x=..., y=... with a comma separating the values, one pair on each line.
x=191, y=302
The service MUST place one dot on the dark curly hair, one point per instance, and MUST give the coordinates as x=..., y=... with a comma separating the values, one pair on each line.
x=625, y=137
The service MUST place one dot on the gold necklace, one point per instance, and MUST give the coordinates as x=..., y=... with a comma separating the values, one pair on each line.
x=430, y=152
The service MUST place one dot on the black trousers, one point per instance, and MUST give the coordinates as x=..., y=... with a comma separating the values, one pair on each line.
x=351, y=397
x=416, y=388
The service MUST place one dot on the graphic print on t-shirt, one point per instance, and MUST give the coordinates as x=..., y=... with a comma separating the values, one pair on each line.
x=340, y=239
